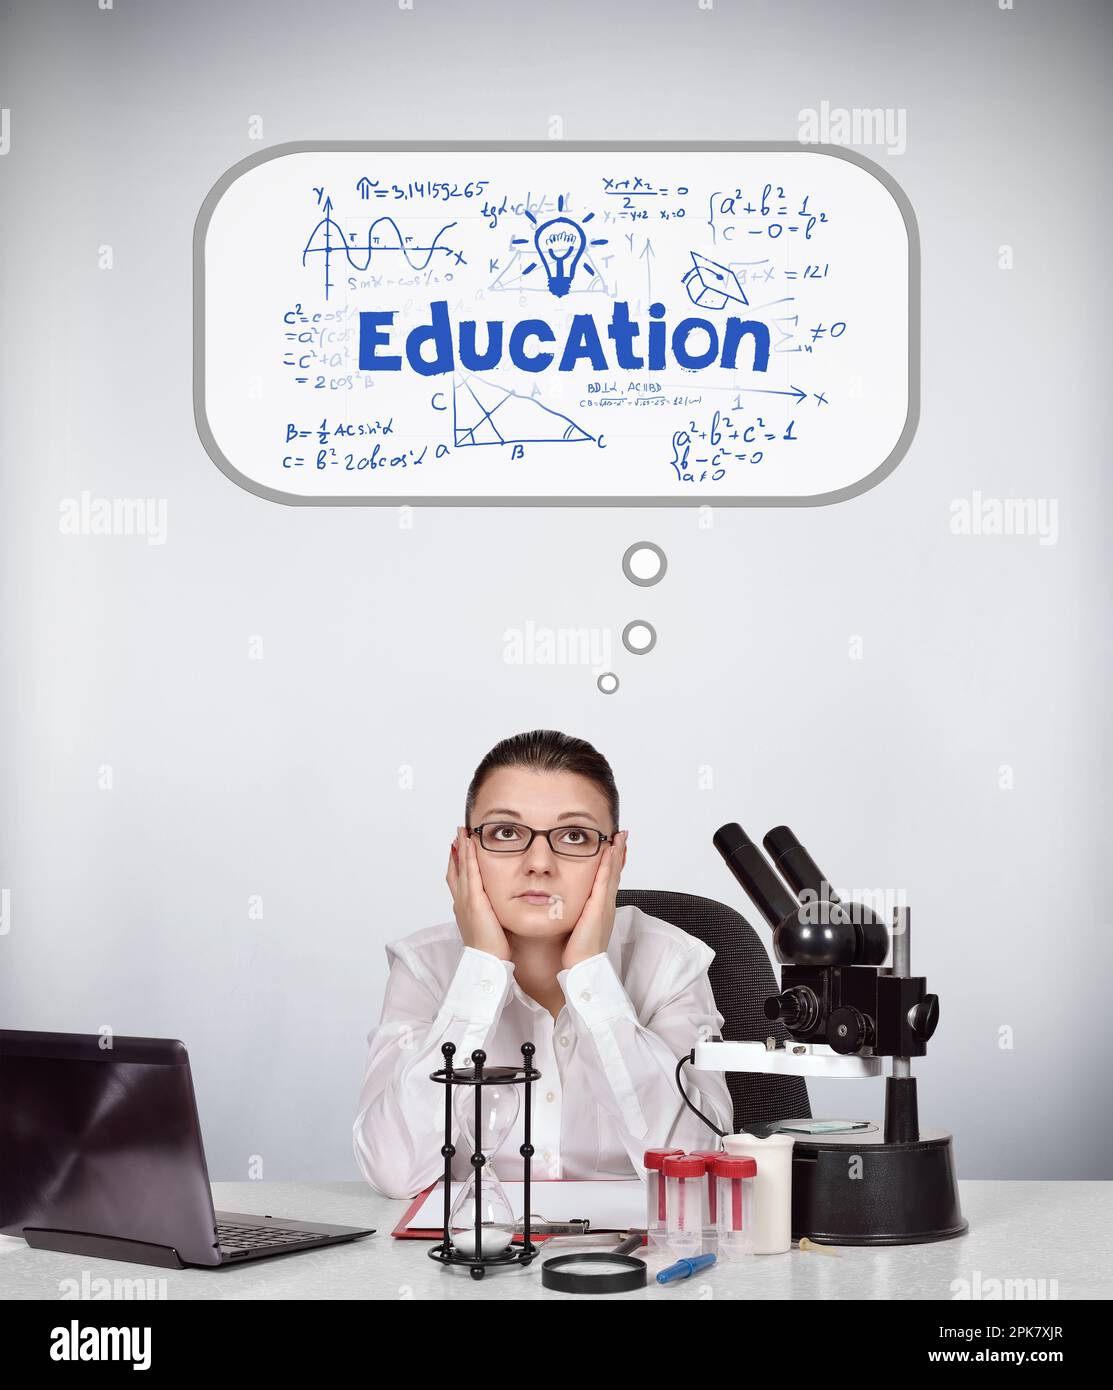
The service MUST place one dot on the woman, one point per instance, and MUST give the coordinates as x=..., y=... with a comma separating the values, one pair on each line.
x=538, y=952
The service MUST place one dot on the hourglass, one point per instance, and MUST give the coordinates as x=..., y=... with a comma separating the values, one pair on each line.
x=479, y=1226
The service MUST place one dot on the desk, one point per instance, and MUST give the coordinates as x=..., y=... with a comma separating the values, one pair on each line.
x=1018, y=1230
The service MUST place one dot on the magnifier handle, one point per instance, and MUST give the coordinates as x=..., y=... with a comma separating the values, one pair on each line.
x=630, y=1244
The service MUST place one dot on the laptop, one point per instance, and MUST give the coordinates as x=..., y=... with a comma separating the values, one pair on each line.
x=101, y=1155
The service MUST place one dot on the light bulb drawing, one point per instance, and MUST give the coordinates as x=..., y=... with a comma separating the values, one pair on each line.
x=560, y=244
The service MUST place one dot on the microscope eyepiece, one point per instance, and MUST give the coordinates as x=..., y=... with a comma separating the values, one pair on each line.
x=799, y=869
x=808, y=880
x=751, y=868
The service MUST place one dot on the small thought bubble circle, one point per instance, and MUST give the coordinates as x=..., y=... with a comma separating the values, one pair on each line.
x=607, y=682
x=639, y=637
x=644, y=564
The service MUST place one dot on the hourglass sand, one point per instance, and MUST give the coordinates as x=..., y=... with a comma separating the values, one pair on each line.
x=479, y=1226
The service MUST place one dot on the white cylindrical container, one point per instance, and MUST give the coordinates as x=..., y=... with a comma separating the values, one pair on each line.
x=772, y=1217
x=684, y=1179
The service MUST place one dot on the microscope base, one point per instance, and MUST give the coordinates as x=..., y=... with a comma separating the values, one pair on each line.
x=903, y=1194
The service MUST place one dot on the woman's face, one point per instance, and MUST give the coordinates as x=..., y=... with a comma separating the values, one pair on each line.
x=539, y=893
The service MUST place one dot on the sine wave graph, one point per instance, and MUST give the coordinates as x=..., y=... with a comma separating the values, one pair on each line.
x=327, y=240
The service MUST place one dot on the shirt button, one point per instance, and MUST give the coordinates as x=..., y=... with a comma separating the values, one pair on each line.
x=550, y=1096
x=564, y=1041
x=585, y=995
x=487, y=986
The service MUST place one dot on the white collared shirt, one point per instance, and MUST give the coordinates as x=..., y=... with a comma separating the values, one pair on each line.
x=607, y=1090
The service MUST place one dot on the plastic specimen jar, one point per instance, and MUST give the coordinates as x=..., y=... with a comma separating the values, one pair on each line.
x=655, y=1222
x=734, y=1184
x=710, y=1196
x=685, y=1178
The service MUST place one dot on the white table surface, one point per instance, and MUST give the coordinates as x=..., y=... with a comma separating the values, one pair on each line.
x=1018, y=1230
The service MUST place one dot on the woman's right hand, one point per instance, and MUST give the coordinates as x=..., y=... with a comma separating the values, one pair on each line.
x=475, y=917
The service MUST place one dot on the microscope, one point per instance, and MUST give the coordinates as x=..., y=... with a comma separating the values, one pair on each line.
x=844, y=1012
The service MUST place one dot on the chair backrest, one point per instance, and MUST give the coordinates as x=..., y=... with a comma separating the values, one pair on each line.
x=741, y=979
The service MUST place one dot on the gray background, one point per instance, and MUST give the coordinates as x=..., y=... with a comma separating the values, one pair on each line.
x=383, y=646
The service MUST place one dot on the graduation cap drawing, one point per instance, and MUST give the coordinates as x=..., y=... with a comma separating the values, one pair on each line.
x=711, y=285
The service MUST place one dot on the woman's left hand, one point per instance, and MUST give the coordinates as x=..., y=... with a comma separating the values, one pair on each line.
x=592, y=933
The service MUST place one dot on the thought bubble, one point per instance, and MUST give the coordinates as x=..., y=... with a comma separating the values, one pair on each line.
x=556, y=324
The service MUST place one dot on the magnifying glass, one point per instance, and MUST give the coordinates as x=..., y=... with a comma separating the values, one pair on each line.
x=597, y=1271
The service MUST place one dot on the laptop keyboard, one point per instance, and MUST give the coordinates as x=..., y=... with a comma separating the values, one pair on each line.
x=241, y=1240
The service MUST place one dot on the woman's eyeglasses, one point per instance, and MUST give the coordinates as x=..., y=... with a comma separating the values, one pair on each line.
x=506, y=837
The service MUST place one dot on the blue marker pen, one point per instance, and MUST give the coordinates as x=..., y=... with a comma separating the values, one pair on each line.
x=684, y=1269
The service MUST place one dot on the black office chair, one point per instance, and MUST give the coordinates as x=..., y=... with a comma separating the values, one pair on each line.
x=741, y=980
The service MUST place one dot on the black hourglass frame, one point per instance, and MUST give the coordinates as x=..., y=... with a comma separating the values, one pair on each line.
x=516, y=1253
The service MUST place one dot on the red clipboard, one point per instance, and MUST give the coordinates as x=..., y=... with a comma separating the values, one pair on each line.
x=425, y=1233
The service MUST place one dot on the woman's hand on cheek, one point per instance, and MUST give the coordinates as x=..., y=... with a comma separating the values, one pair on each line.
x=475, y=917
x=592, y=933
